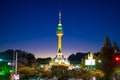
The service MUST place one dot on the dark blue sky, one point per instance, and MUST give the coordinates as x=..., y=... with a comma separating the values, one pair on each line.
x=31, y=25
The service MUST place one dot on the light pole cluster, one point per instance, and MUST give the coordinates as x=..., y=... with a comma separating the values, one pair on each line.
x=13, y=64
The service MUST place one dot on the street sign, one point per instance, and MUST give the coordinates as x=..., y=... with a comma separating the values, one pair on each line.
x=89, y=61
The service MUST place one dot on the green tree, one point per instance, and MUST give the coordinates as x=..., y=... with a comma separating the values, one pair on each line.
x=99, y=73
x=115, y=46
x=76, y=73
x=106, y=57
x=82, y=64
x=45, y=73
x=44, y=60
x=26, y=72
x=60, y=71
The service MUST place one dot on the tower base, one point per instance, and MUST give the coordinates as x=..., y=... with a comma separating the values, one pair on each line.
x=59, y=60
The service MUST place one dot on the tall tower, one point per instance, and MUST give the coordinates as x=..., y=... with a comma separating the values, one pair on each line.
x=59, y=59
x=59, y=34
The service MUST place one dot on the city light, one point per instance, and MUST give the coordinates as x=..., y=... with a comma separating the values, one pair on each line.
x=117, y=58
x=99, y=61
x=1, y=59
x=60, y=28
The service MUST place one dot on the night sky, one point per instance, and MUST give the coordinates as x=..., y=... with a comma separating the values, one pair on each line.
x=31, y=25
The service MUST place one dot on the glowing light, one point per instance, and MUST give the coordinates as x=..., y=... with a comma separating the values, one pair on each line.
x=9, y=63
x=90, y=62
x=42, y=66
x=1, y=60
x=59, y=28
x=11, y=71
x=2, y=73
x=117, y=58
x=59, y=24
x=99, y=61
x=76, y=66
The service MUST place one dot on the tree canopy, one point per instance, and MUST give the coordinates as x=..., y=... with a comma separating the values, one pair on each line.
x=106, y=56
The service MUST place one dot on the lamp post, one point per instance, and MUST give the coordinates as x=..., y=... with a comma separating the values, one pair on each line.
x=99, y=61
x=16, y=64
x=15, y=76
x=99, y=64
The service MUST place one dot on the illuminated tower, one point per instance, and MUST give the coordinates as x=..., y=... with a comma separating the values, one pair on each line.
x=59, y=59
x=59, y=34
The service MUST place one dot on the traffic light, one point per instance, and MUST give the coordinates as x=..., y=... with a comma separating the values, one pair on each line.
x=117, y=58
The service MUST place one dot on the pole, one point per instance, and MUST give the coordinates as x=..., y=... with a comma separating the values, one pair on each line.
x=16, y=64
x=13, y=61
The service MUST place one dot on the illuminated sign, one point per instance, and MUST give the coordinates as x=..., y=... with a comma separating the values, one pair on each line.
x=90, y=62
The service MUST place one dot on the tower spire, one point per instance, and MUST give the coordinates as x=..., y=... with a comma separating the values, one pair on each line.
x=60, y=23
x=59, y=17
x=59, y=33
x=59, y=59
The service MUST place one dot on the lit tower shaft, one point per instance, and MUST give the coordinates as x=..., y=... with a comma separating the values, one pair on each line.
x=59, y=59
x=59, y=34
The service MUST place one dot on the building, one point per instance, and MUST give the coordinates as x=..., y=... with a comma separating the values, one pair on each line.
x=59, y=59
x=90, y=62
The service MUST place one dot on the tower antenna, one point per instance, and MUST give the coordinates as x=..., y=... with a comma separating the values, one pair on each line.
x=60, y=17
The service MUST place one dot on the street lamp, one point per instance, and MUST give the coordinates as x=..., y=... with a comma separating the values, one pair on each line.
x=99, y=61
x=1, y=59
x=99, y=64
